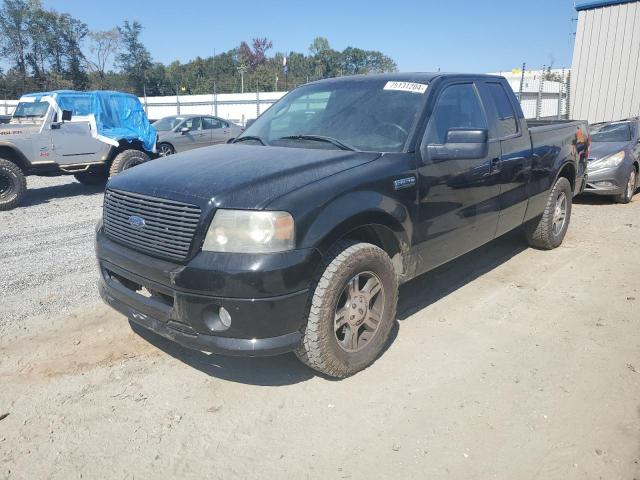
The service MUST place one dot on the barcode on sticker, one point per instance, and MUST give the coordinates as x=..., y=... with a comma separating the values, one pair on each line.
x=406, y=87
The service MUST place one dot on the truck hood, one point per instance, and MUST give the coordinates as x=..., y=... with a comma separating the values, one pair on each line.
x=235, y=176
x=8, y=130
x=602, y=149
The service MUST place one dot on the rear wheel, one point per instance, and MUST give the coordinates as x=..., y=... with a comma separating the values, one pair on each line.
x=127, y=159
x=13, y=185
x=630, y=188
x=352, y=310
x=548, y=231
x=92, y=177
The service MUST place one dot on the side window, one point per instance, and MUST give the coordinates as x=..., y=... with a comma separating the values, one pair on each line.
x=193, y=123
x=457, y=107
x=507, y=122
x=209, y=123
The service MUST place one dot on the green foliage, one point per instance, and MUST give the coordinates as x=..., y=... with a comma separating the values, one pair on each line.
x=45, y=50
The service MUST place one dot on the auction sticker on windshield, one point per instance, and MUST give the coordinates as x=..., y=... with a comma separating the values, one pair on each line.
x=406, y=87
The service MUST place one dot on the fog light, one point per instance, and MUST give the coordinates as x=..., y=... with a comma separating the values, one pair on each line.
x=225, y=317
x=605, y=184
x=216, y=319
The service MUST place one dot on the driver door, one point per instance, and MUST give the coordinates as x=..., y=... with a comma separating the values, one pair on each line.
x=458, y=195
x=73, y=142
x=193, y=137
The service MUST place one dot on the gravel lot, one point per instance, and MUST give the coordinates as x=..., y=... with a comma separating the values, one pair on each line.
x=509, y=363
x=46, y=247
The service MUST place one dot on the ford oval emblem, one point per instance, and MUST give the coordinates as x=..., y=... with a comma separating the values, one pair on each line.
x=136, y=221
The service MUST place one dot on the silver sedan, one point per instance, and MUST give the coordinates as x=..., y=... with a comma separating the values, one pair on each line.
x=179, y=133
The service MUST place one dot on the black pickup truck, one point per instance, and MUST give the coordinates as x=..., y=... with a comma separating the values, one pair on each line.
x=296, y=237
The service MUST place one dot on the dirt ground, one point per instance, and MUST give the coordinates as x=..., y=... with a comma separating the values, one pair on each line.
x=509, y=363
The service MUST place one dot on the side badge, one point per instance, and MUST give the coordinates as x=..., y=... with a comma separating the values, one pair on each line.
x=404, y=183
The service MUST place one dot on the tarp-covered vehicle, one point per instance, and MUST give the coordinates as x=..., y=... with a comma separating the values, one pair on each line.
x=91, y=135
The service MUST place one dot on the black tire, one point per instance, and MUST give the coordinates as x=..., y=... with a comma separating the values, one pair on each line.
x=13, y=185
x=630, y=187
x=127, y=159
x=544, y=232
x=92, y=177
x=321, y=348
x=165, y=149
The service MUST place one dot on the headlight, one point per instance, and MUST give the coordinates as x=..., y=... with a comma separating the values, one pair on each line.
x=608, y=162
x=246, y=231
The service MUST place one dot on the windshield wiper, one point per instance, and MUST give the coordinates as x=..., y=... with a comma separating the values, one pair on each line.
x=320, y=138
x=250, y=137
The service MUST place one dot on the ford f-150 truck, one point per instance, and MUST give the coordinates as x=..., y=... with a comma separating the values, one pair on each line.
x=296, y=236
x=90, y=135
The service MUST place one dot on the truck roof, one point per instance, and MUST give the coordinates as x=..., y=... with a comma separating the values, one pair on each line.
x=426, y=77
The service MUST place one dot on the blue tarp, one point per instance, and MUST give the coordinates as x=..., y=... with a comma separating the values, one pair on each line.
x=118, y=116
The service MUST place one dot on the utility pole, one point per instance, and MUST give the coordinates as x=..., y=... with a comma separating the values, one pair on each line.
x=524, y=66
x=146, y=106
x=177, y=100
x=242, y=69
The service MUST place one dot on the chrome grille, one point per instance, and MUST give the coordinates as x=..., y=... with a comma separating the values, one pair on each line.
x=167, y=228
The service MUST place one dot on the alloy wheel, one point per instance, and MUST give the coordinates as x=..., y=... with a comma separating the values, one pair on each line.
x=359, y=311
x=165, y=151
x=631, y=184
x=559, y=214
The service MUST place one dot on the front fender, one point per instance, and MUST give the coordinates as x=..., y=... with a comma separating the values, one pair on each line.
x=353, y=210
x=16, y=154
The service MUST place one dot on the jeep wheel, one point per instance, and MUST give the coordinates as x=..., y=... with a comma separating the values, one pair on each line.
x=352, y=310
x=92, y=177
x=548, y=231
x=630, y=187
x=164, y=150
x=13, y=185
x=127, y=159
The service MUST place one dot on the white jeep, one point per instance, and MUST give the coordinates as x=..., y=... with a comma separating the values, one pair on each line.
x=91, y=135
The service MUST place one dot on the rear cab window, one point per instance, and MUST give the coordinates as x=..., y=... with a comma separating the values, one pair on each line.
x=507, y=120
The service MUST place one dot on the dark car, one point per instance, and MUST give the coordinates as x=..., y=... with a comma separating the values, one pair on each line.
x=296, y=236
x=614, y=162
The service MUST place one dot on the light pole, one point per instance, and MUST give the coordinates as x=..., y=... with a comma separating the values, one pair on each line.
x=242, y=69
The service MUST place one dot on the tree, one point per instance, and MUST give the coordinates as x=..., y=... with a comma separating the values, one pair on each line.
x=14, y=40
x=256, y=56
x=104, y=46
x=319, y=45
x=135, y=59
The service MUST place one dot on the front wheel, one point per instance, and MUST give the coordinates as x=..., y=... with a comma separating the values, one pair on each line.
x=127, y=159
x=352, y=310
x=548, y=231
x=164, y=150
x=630, y=188
x=13, y=185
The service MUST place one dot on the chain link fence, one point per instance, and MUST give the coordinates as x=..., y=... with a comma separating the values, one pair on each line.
x=543, y=94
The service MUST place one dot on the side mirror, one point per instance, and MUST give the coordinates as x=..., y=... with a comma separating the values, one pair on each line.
x=185, y=130
x=461, y=144
x=66, y=115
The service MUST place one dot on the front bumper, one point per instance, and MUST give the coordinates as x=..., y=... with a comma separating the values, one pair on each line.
x=607, y=181
x=266, y=296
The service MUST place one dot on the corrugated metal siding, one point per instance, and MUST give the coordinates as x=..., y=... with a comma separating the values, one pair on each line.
x=606, y=64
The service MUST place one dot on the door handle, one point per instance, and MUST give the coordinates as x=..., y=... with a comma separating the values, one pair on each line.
x=495, y=166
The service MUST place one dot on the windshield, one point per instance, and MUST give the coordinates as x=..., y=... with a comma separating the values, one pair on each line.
x=31, y=109
x=367, y=114
x=612, y=132
x=167, y=123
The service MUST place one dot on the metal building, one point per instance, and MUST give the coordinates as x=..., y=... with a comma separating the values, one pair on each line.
x=605, y=74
